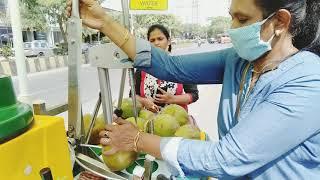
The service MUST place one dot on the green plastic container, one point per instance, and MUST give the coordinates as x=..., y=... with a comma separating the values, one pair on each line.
x=15, y=117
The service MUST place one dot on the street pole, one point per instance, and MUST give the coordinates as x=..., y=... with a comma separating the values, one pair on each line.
x=132, y=23
x=24, y=95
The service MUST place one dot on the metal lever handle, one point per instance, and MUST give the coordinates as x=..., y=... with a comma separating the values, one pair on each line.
x=93, y=120
x=74, y=54
x=75, y=9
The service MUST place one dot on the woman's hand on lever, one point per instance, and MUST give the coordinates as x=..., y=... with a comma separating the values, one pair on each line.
x=91, y=13
x=94, y=16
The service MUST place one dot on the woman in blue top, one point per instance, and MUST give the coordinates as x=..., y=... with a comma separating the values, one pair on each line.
x=269, y=110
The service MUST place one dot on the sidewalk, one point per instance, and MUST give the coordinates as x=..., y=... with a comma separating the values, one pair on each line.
x=35, y=64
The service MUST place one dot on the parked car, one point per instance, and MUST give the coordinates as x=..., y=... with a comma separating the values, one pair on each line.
x=37, y=48
x=212, y=40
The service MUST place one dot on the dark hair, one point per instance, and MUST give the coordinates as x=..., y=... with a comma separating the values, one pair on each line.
x=163, y=29
x=305, y=23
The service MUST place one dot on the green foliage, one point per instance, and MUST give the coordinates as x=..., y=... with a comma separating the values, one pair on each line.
x=6, y=51
x=192, y=31
x=37, y=14
x=61, y=49
x=32, y=16
x=218, y=25
x=142, y=23
x=55, y=9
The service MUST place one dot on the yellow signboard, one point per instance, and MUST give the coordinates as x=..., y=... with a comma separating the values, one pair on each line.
x=149, y=5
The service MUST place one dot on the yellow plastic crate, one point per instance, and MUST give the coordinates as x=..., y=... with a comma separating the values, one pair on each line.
x=44, y=146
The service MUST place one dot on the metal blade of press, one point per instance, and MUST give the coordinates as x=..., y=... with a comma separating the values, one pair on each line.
x=99, y=168
x=87, y=150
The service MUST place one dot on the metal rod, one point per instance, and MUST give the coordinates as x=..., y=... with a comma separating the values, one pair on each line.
x=106, y=97
x=123, y=81
x=75, y=9
x=125, y=12
x=125, y=9
x=40, y=108
x=133, y=93
x=126, y=16
x=74, y=56
x=93, y=120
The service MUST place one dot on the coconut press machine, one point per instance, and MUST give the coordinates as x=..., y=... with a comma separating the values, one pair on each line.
x=103, y=57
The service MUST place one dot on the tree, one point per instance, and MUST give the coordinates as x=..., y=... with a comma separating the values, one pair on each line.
x=32, y=16
x=143, y=21
x=191, y=31
x=55, y=11
x=38, y=14
x=218, y=25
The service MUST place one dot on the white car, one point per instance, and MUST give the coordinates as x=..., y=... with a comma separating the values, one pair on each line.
x=37, y=48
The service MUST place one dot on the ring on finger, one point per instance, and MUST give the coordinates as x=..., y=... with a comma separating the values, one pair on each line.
x=106, y=134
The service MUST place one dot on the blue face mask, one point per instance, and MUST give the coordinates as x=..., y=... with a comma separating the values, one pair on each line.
x=247, y=41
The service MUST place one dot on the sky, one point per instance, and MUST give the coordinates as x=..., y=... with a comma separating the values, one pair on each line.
x=183, y=8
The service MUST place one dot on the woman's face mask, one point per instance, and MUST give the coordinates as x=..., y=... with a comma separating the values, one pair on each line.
x=247, y=41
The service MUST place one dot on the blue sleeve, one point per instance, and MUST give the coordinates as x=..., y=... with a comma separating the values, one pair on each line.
x=201, y=68
x=287, y=118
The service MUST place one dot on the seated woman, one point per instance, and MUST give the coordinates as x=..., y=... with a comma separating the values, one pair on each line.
x=152, y=92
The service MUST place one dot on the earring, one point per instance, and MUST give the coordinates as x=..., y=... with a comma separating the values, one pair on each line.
x=277, y=32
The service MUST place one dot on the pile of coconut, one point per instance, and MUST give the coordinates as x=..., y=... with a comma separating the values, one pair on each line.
x=171, y=121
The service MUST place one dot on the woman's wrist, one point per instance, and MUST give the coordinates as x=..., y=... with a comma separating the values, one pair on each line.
x=172, y=100
x=107, y=22
x=140, y=142
x=149, y=144
x=145, y=102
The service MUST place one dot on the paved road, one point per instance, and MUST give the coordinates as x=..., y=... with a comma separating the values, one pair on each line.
x=51, y=87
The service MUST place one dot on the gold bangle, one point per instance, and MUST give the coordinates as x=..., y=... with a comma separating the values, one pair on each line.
x=135, y=142
x=126, y=38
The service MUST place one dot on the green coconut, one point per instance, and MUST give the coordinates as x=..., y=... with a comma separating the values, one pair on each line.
x=146, y=114
x=142, y=123
x=177, y=112
x=98, y=126
x=165, y=125
x=120, y=160
x=188, y=131
x=127, y=108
